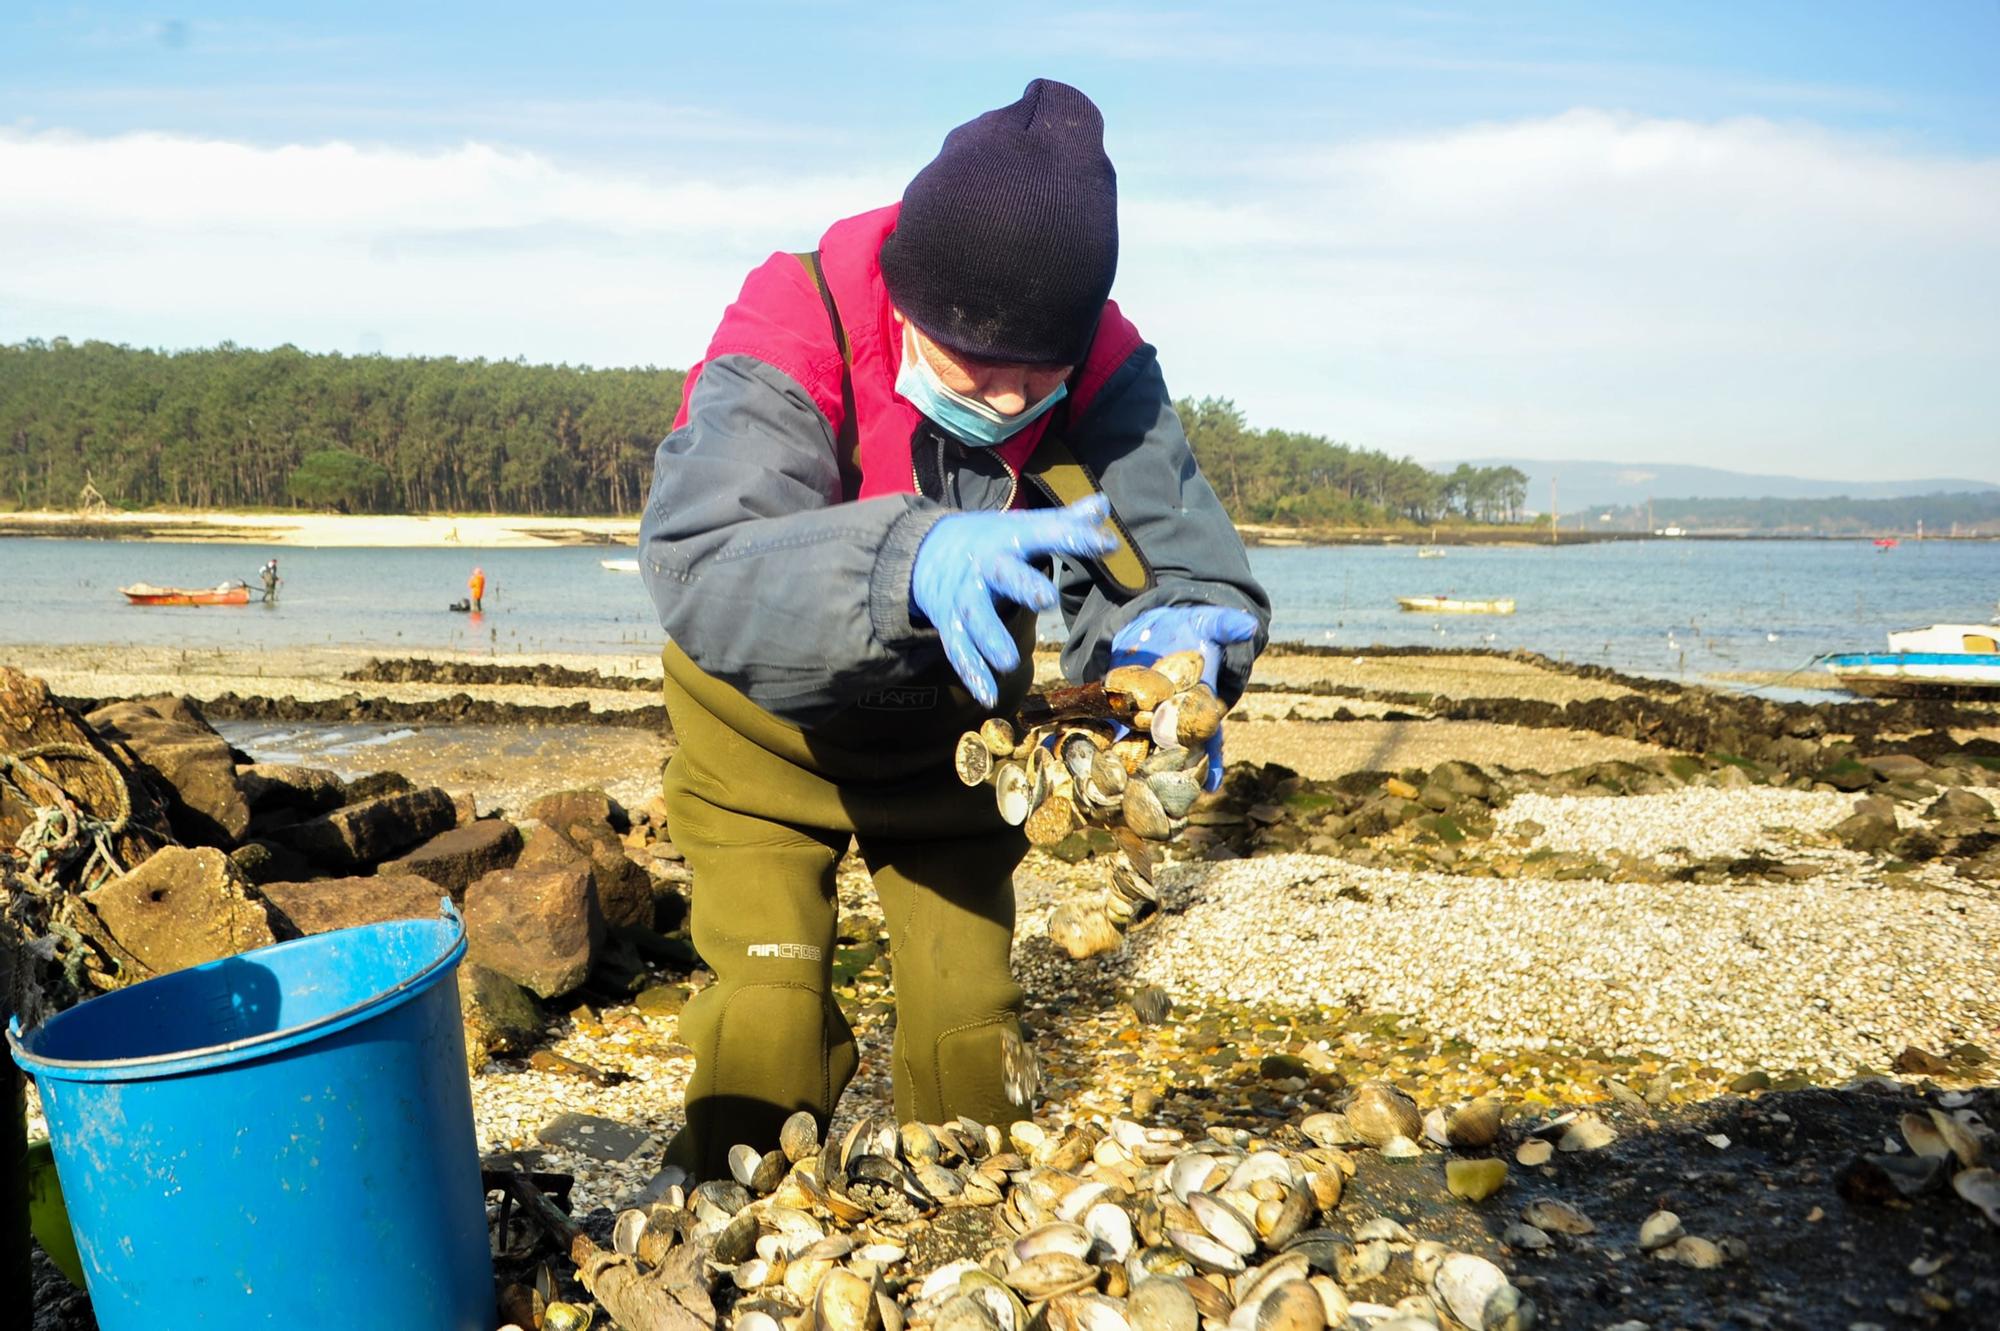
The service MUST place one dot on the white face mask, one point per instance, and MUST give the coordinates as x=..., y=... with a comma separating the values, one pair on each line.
x=967, y=418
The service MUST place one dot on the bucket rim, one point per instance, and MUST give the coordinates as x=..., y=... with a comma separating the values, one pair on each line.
x=205, y=1057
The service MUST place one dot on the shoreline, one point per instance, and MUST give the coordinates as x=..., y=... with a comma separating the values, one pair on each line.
x=493, y=531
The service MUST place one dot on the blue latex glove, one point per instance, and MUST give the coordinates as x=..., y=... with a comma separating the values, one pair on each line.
x=1167, y=629
x=970, y=561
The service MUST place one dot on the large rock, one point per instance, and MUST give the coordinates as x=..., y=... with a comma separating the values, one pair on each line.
x=1960, y=805
x=563, y=807
x=1872, y=827
x=374, y=830
x=326, y=904
x=171, y=736
x=310, y=790
x=30, y=720
x=541, y=928
x=500, y=1016
x=184, y=907
x=593, y=823
x=453, y=859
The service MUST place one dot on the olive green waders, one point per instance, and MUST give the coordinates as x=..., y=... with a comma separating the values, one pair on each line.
x=763, y=811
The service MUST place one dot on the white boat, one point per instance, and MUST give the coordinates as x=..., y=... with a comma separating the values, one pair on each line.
x=621, y=565
x=1430, y=552
x=1452, y=605
x=1944, y=660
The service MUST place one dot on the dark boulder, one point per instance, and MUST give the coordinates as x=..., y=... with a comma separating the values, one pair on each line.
x=541, y=928
x=326, y=904
x=171, y=736
x=359, y=835
x=453, y=859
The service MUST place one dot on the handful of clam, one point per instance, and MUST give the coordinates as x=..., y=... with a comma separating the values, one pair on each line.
x=1128, y=754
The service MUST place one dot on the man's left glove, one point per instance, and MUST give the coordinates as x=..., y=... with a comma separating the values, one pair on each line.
x=1167, y=629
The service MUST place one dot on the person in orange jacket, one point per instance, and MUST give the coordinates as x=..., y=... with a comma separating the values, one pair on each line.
x=476, y=585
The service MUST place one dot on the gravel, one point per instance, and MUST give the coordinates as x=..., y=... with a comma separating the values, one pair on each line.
x=1700, y=821
x=1836, y=974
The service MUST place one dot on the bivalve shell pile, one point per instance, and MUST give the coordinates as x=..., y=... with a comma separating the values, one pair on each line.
x=965, y=1226
x=1128, y=754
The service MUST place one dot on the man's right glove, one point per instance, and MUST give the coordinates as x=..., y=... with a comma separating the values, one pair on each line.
x=969, y=561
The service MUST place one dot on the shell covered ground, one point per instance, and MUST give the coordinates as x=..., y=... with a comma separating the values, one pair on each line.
x=1641, y=916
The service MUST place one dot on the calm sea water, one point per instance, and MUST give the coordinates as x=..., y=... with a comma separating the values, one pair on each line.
x=1672, y=608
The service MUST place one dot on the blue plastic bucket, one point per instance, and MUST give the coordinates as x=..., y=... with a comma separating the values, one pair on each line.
x=278, y=1139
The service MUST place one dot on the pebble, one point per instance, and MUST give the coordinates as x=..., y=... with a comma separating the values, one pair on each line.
x=1832, y=973
x=1475, y=1180
x=1534, y=1152
x=1658, y=1230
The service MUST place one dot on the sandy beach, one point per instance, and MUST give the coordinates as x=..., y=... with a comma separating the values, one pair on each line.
x=482, y=531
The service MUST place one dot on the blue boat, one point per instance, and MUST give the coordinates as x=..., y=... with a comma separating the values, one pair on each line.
x=1942, y=661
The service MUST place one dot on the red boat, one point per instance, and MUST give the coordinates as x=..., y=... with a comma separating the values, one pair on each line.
x=228, y=593
x=1885, y=543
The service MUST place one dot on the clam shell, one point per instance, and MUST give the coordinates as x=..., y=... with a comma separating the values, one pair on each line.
x=1107, y=773
x=1130, y=752
x=1049, y=1274
x=1557, y=1217
x=1160, y=1303
x=1176, y=791
x=1475, y=1126
x=1144, y=813
x=1013, y=791
x=1110, y=1230
x=799, y=1137
x=626, y=1232
x=1164, y=726
x=1981, y=1187
x=755, y=1320
x=1477, y=1293
x=971, y=759
x=1059, y=1236
x=1182, y=669
x=1082, y=931
x=1292, y=1306
x=1143, y=687
x=565, y=1317
x=1085, y=1312
x=1053, y=819
x=1224, y=1222
x=969, y=1312
x=1200, y=715
x=1379, y=1112
x=845, y=1302
x=1208, y=1253
x=998, y=736
x=743, y=1162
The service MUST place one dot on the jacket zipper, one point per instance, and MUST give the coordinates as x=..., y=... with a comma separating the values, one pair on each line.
x=1013, y=482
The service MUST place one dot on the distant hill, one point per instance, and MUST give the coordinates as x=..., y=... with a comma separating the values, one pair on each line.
x=1601, y=485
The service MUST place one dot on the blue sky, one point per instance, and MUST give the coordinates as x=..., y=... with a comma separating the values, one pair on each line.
x=1757, y=236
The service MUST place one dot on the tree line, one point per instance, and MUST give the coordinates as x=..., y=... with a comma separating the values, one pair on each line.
x=231, y=427
x=1970, y=512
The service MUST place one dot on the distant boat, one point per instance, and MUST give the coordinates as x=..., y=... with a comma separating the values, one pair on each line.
x=1430, y=552
x=1886, y=543
x=621, y=565
x=228, y=593
x=1943, y=660
x=1451, y=605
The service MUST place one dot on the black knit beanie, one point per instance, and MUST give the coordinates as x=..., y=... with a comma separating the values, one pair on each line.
x=1008, y=241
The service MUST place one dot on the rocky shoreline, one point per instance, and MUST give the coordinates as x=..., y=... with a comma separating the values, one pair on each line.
x=1767, y=923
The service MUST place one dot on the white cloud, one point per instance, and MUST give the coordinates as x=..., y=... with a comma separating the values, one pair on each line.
x=1585, y=285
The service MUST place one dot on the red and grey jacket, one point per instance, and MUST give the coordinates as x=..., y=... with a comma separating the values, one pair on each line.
x=780, y=567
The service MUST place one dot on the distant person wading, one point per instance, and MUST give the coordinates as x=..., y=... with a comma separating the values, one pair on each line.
x=475, y=588
x=891, y=445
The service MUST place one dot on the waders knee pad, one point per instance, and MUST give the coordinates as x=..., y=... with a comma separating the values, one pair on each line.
x=762, y=1052
x=985, y=1071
